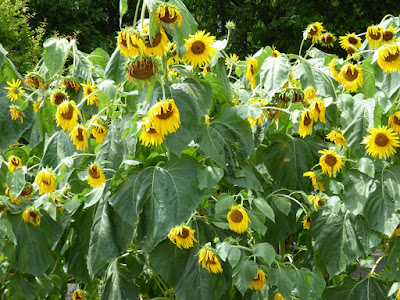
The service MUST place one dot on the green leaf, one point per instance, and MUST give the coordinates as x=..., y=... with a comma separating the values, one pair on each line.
x=388, y=83
x=274, y=73
x=83, y=66
x=209, y=177
x=20, y=284
x=114, y=69
x=282, y=203
x=16, y=182
x=234, y=256
x=368, y=88
x=119, y=284
x=6, y=231
x=384, y=102
x=264, y=207
x=99, y=59
x=284, y=279
x=123, y=8
x=45, y=118
x=224, y=203
x=257, y=221
x=244, y=273
x=109, y=88
x=393, y=261
x=308, y=285
x=245, y=177
x=265, y=251
x=55, y=53
x=366, y=166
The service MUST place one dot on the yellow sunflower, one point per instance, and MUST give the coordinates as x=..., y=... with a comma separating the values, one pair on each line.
x=374, y=36
x=315, y=31
x=149, y=135
x=157, y=46
x=164, y=117
x=327, y=39
x=129, y=42
x=57, y=97
x=182, y=236
x=174, y=57
x=352, y=52
x=16, y=113
x=78, y=295
x=278, y=297
x=45, y=181
x=332, y=68
x=388, y=35
x=251, y=69
x=168, y=14
x=306, y=223
x=337, y=138
x=398, y=294
x=396, y=232
x=330, y=162
x=96, y=176
x=275, y=53
x=14, y=89
x=10, y=194
x=31, y=216
x=14, y=162
x=71, y=84
x=259, y=281
x=381, y=141
x=316, y=201
x=306, y=123
x=26, y=192
x=317, y=184
x=232, y=58
x=36, y=105
x=79, y=137
x=238, y=219
x=209, y=260
x=318, y=109
x=99, y=131
x=89, y=93
x=351, y=77
x=394, y=121
x=389, y=58
x=199, y=49
x=309, y=94
x=350, y=39
x=67, y=115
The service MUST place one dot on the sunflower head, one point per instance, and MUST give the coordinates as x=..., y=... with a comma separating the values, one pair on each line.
x=129, y=42
x=309, y=94
x=316, y=201
x=78, y=295
x=199, y=50
x=168, y=14
x=16, y=113
x=232, y=58
x=314, y=31
x=157, y=45
x=318, y=109
x=209, y=260
x=71, y=84
x=306, y=222
x=238, y=219
x=394, y=121
x=32, y=216
x=182, y=236
x=374, y=36
x=381, y=142
x=337, y=138
x=306, y=123
x=45, y=181
x=57, y=97
x=251, y=69
x=34, y=81
x=14, y=162
x=79, y=137
x=96, y=176
x=327, y=39
x=351, y=77
x=388, y=35
x=149, y=135
x=389, y=58
x=10, y=194
x=330, y=162
x=278, y=296
x=316, y=181
x=14, y=90
x=99, y=131
x=141, y=68
x=27, y=191
x=164, y=116
x=36, y=105
x=67, y=115
x=259, y=281
x=332, y=67
x=89, y=93
x=3, y=208
x=275, y=53
x=396, y=232
x=350, y=39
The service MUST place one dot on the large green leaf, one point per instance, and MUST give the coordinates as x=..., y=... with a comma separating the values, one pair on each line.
x=284, y=278
x=45, y=118
x=389, y=83
x=16, y=182
x=244, y=273
x=245, y=176
x=114, y=69
x=83, y=66
x=368, y=88
x=6, y=231
x=55, y=52
x=393, y=261
x=274, y=73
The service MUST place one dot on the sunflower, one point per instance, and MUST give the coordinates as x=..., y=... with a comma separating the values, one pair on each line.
x=352, y=52
x=318, y=109
x=129, y=42
x=182, y=236
x=206, y=70
x=388, y=35
x=10, y=194
x=317, y=184
x=258, y=121
x=394, y=121
x=233, y=58
x=89, y=93
x=36, y=105
x=350, y=39
x=252, y=65
x=71, y=84
x=26, y=192
x=79, y=137
x=164, y=117
x=327, y=39
x=14, y=162
x=34, y=81
x=309, y=94
x=396, y=232
x=381, y=142
x=337, y=138
x=14, y=89
x=332, y=68
x=350, y=77
x=67, y=115
x=238, y=219
x=157, y=46
x=259, y=281
x=389, y=58
x=199, y=49
x=78, y=295
x=57, y=97
x=96, y=176
x=278, y=297
x=149, y=135
x=315, y=31
x=168, y=14
x=173, y=55
x=45, y=181
x=99, y=131
x=275, y=53
x=398, y=294
x=306, y=223
x=31, y=216
x=306, y=123
x=330, y=162
x=141, y=68
x=316, y=201
x=374, y=36
x=209, y=260
x=16, y=113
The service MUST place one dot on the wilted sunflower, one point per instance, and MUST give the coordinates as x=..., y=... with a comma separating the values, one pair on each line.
x=79, y=137
x=164, y=116
x=71, y=84
x=67, y=115
x=96, y=176
x=258, y=121
x=45, y=181
x=306, y=123
x=57, y=97
x=327, y=39
x=278, y=297
x=156, y=46
x=259, y=281
x=396, y=232
x=199, y=49
x=351, y=77
x=31, y=216
x=36, y=105
x=182, y=236
x=129, y=42
x=209, y=260
x=337, y=138
x=14, y=90
x=332, y=68
x=316, y=201
x=352, y=52
x=315, y=31
x=149, y=135
x=389, y=58
x=317, y=184
x=232, y=58
x=10, y=194
x=34, y=81
x=238, y=219
x=89, y=92
x=374, y=36
x=388, y=35
x=330, y=162
x=78, y=295
x=174, y=59
x=394, y=121
x=99, y=131
x=15, y=112
x=309, y=94
x=251, y=69
x=14, y=162
x=381, y=141
x=168, y=14
x=306, y=223
x=141, y=68
x=318, y=109
x=275, y=53
x=350, y=39
x=26, y=192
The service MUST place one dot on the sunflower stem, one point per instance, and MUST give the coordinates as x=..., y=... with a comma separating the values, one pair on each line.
x=242, y=248
x=142, y=15
x=309, y=49
x=385, y=17
x=282, y=247
x=136, y=13
x=301, y=46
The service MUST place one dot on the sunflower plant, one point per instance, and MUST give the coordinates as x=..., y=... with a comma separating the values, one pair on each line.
x=172, y=169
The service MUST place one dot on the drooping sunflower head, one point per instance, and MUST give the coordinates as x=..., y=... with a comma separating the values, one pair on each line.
x=182, y=236
x=96, y=176
x=199, y=50
x=396, y=232
x=149, y=135
x=164, y=116
x=251, y=69
x=394, y=121
x=157, y=45
x=45, y=181
x=16, y=112
x=316, y=182
x=318, y=109
x=306, y=123
x=333, y=68
x=388, y=35
x=89, y=93
x=141, y=68
x=275, y=52
x=36, y=105
x=350, y=39
x=330, y=162
x=209, y=260
x=309, y=94
x=34, y=81
x=14, y=89
x=278, y=296
x=78, y=295
x=173, y=55
x=71, y=84
x=238, y=219
x=11, y=195
x=14, y=162
x=381, y=142
x=129, y=42
x=314, y=31
x=67, y=115
x=233, y=58
x=374, y=36
x=337, y=138
x=351, y=77
x=389, y=58
x=259, y=281
x=306, y=223
x=27, y=192
x=32, y=216
x=58, y=96
x=99, y=131
x=316, y=201
x=168, y=14
x=327, y=39
x=79, y=137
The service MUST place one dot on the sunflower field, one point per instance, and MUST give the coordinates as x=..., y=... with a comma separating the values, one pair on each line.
x=172, y=169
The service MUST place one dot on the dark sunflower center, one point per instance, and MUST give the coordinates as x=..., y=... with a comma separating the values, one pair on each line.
x=396, y=120
x=327, y=39
x=313, y=30
x=352, y=40
x=33, y=214
x=392, y=57
x=184, y=234
x=330, y=160
x=258, y=278
x=198, y=47
x=307, y=120
x=79, y=136
x=26, y=191
x=70, y=84
x=350, y=50
x=211, y=262
x=155, y=42
x=15, y=161
x=236, y=216
x=164, y=115
x=308, y=219
x=69, y=114
x=381, y=140
x=77, y=297
x=94, y=172
x=320, y=203
x=151, y=130
x=59, y=98
x=124, y=42
x=376, y=36
x=351, y=74
x=167, y=18
x=142, y=69
x=387, y=35
x=275, y=53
